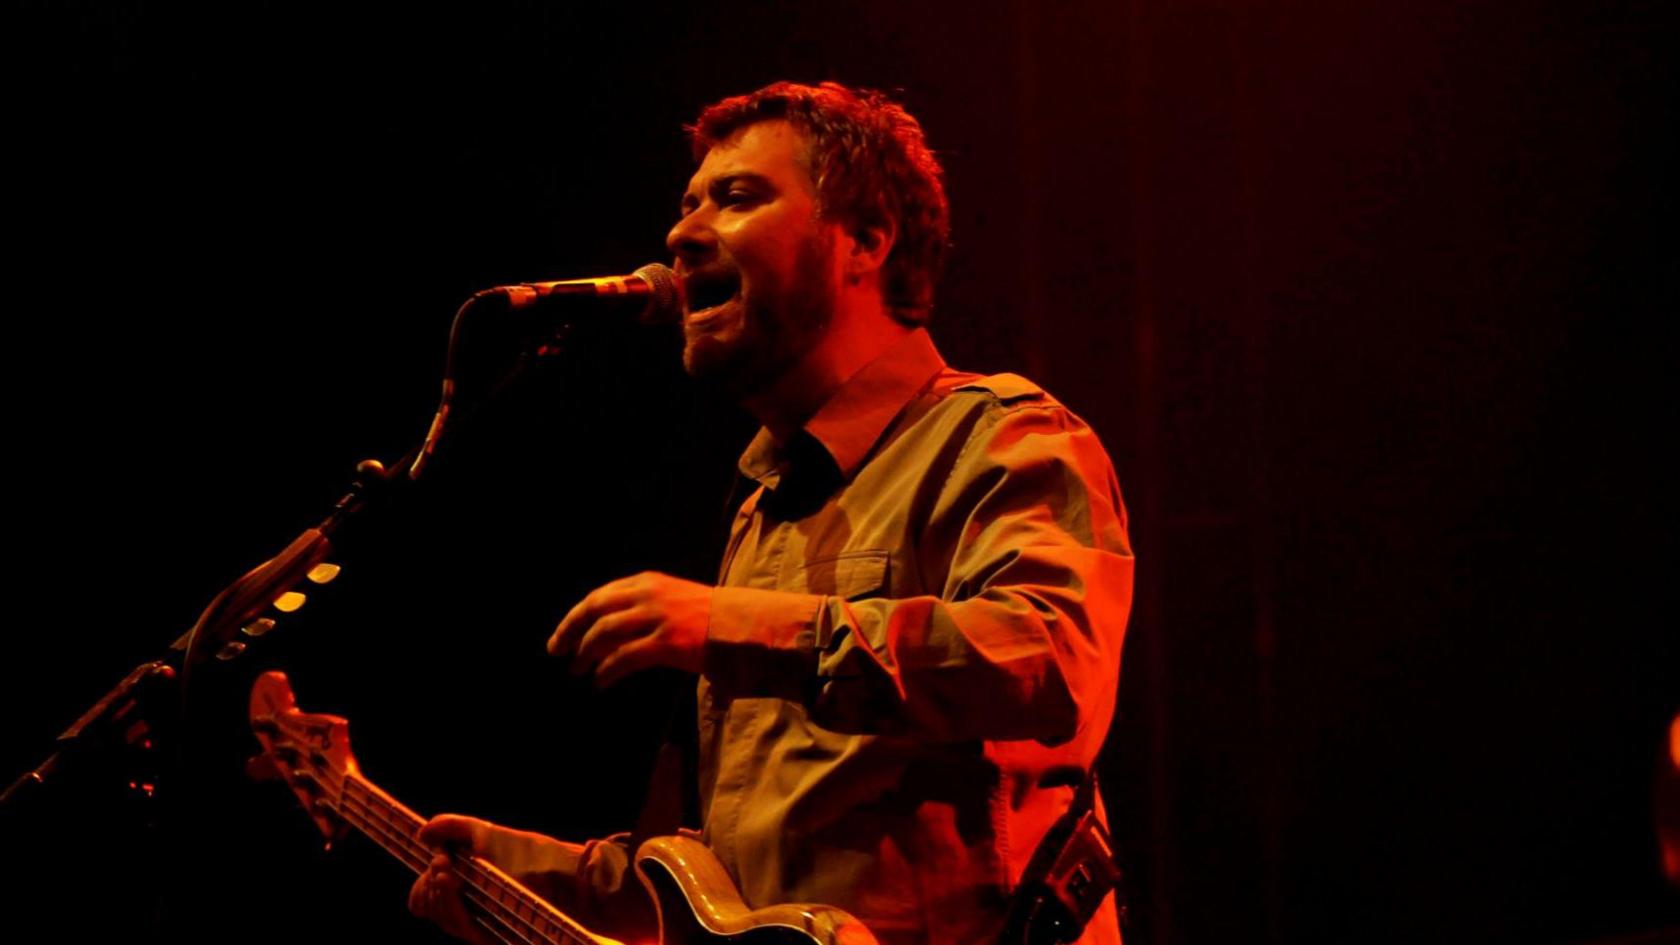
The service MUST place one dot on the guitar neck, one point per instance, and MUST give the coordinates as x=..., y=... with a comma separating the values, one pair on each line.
x=504, y=907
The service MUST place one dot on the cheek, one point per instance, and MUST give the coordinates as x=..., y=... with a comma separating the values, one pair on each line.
x=767, y=246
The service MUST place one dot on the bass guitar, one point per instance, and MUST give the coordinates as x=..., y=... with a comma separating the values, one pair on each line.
x=696, y=902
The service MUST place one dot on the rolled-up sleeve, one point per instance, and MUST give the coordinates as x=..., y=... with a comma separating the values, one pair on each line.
x=592, y=882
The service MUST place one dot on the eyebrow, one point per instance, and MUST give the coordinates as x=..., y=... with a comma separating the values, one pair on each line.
x=722, y=183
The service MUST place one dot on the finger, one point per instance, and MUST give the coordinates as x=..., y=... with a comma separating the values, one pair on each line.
x=450, y=906
x=423, y=895
x=610, y=633
x=632, y=657
x=446, y=906
x=452, y=832
x=417, y=897
x=598, y=603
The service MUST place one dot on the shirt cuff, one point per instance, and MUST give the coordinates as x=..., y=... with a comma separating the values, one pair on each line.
x=762, y=643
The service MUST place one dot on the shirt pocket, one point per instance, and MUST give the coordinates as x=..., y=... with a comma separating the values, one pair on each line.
x=851, y=574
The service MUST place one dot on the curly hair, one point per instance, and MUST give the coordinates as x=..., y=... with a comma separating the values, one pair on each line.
x=871, y=166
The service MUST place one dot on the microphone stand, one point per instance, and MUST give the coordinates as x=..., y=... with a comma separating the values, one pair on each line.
x=124, y=720
x=120, y=726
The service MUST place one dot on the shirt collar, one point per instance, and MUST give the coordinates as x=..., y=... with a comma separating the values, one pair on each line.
x=850, y=422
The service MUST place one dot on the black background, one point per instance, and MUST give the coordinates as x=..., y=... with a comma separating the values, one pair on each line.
x=1371, y=303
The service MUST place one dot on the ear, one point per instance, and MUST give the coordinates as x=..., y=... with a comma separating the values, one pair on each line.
x=871, y=244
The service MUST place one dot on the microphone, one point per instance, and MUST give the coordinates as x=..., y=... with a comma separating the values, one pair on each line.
x=652, y=295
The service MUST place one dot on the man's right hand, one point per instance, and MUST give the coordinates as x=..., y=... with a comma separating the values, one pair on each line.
x=436, y=896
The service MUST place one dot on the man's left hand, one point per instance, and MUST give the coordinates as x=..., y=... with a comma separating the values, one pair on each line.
x=635, y=623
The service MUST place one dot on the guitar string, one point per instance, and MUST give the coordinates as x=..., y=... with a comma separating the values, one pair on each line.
x=395, y=841
x=391, y=834
x=384, y=821
x=393, y=826
x=399, y=824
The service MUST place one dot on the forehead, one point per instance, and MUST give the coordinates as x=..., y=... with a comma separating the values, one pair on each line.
x=774, y=150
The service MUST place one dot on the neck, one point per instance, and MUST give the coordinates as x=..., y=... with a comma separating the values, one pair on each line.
x=853, y=340
x=498, y=903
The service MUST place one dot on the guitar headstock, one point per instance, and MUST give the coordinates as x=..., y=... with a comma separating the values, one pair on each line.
x=311, y=753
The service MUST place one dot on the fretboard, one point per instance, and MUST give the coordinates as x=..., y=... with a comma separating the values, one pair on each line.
x=501, y=905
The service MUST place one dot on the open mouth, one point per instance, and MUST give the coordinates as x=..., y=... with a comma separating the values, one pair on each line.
x=708, y=288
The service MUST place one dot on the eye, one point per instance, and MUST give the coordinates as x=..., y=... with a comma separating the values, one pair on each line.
x=739, y=195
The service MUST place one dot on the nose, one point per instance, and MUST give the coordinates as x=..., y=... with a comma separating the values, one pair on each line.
x=691, y=240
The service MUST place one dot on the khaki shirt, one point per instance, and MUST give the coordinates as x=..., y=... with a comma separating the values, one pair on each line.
x=914, y=650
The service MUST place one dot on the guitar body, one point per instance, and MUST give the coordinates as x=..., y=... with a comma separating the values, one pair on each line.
x=695, y=898
x=699, y=905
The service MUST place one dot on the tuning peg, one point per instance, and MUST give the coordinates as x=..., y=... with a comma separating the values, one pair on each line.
x=231, y=651
x=289, y=601
x=262, y=768
x=324, y=572
x=258, y=627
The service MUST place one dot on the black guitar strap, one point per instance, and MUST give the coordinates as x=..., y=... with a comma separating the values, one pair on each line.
x=1069, y=874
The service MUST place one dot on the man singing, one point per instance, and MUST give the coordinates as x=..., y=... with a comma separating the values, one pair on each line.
x=910, y=660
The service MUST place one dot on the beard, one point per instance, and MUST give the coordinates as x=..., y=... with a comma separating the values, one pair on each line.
x=777, y=326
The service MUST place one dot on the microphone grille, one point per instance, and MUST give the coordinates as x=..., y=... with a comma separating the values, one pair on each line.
x=665, y=300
